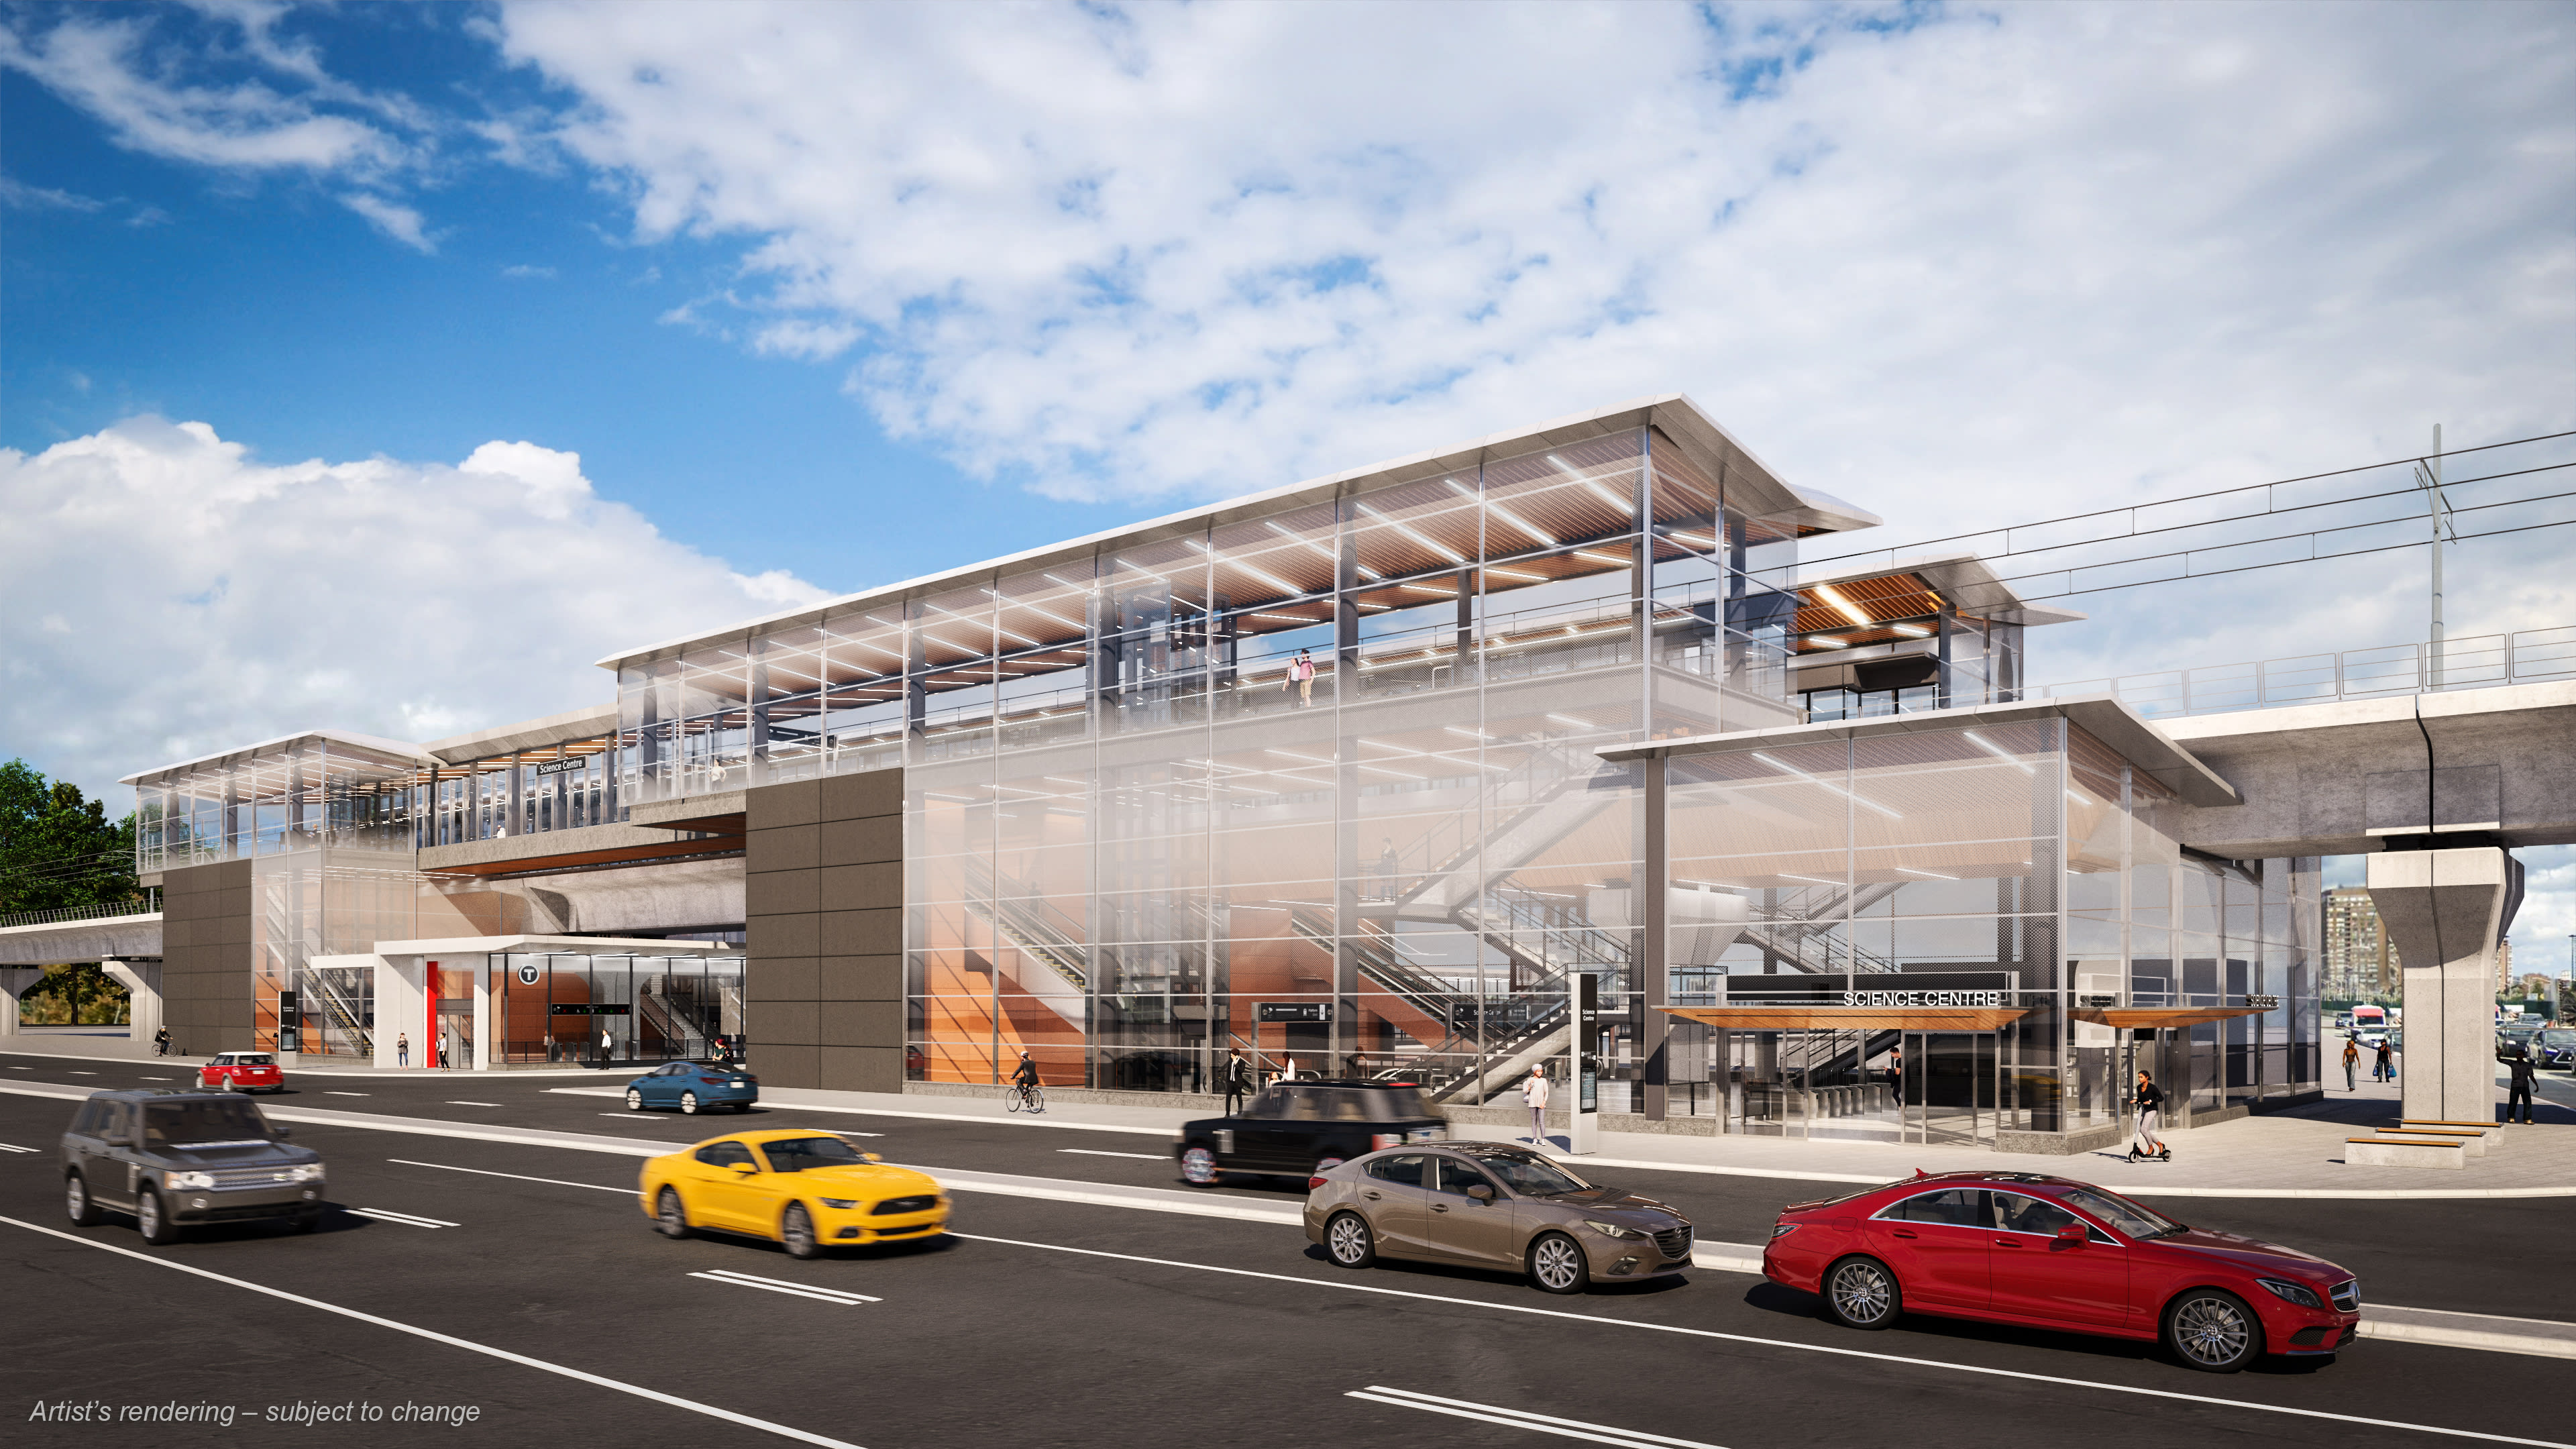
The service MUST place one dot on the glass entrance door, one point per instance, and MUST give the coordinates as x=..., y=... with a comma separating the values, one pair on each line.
x=1949, y=1087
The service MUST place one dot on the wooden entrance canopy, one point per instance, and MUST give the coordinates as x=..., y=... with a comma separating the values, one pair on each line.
x=2142, y=1018
x=1850, y=1018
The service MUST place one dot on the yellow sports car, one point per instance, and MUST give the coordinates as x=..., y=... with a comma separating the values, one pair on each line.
x=806, y=1190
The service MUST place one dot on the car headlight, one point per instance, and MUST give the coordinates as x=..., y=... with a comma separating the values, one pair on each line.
x=2291, y=1293
x=1612, y=1230
x=838, y=1202
x=306, y=1172
x=189, y=1179
x=1782, y=1230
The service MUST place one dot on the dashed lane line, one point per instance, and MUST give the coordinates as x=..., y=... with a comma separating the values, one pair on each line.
x=454, y=1103
x=409, y=1220
x=14, y=1147
x=1601, y=1321
x=1096, y=1152
x=1523, y=1419
x=801, y=1290
x=541, y=1365
x=347, y=1094
x=519, y=1176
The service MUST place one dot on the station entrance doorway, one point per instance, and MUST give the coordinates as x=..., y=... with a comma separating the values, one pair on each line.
x=1930, y=1075
x=1949, y=1092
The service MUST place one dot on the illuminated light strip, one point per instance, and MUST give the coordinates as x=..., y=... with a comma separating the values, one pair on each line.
x=1010, y=603
x=1309, y=759
x=1581, y=724
x=1911, y=631
x=1417, y=536
x=2000, y=753
x=1273, y=580
x=1506, y=515
x=1604, y=494
x=1936, y=875
x=1784, y=875
x=1427, y=589
x=1299, y=618
x=1517, y=574
x=1367, y=573
x=1383, y=770
x=1462, y=730
x=1827, y=784
x=1844, y=607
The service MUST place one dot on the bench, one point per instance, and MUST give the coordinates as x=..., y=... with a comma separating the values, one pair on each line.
x=2493, y=1132
x=2471, y=1141
x=2404, y=1152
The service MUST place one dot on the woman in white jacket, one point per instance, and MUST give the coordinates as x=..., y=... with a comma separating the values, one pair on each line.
x=1534, y=1096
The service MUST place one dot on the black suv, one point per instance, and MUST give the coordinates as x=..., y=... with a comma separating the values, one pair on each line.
x=178, y=1158
x=1304, y=1127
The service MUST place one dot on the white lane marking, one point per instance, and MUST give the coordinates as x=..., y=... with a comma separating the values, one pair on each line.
x=1522, y=1419
x=626, y=1116
x=828, y=1295
x=1860, y=1353
x=956, y=1117
x=84, y=1074
x=2448, y=1337
x=30, y=1069
x=520, y=1176
x=346, y=1094
x=453, y=1103
x=1096, y=1152
x=14, y=1147
x=618, y=1385
x=148, y=1079
x=406, y=1219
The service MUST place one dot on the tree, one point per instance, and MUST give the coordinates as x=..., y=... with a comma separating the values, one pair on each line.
x=57, y=848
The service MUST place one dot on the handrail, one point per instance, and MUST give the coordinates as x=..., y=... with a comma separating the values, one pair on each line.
x=2476, y=662
x=149, y=905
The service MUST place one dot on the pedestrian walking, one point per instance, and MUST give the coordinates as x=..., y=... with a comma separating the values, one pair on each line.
x=607, y=1044
x=444, y=1040
x=1238, y=1080
x=402, y=1050
x=2351, y=1057
x=1534, y=1097
x=2149, y=1100
x=1301, y=677
x=2519, y=1064
x=2383, y=1067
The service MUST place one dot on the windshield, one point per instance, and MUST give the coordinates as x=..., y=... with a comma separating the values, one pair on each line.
x=2123, y=1214
x=2558, y=1038
x=1531, y=1176
x=203, y=1122
x=799, y=1154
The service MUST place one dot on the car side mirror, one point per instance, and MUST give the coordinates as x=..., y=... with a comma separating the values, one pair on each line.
x=2071, y=1233
x=1480, y=1192
x=872, y=1157
x=284, y=1131
x=746, y=1168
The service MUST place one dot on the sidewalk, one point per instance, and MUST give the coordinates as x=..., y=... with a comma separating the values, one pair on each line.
x=2298, y=1153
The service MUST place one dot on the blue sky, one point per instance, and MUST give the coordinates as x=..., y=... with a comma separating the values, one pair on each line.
x=381, y=366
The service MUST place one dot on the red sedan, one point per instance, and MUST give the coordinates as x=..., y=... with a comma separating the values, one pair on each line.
x=243, y=1072
x=2011, y=1247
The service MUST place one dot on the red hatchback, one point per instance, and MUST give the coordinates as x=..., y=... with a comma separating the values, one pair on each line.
x=2048, y=1252
x=243, y=1072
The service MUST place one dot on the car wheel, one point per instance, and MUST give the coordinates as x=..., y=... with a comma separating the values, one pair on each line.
x=154, y=1219
x=78, y=1203
x=1556, y=1264
x=1862, y=1293
x=1198, y=1167
x=1348, y=1239
x=670, y=1215
x=688, y=1104
x=634, y=1100
x=2213, y=1331
x=796, y=1230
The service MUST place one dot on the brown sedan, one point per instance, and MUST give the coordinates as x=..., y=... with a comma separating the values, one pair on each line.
x=1492, y=1205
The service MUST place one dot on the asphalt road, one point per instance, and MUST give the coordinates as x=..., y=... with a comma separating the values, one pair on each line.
x=1044, y=1322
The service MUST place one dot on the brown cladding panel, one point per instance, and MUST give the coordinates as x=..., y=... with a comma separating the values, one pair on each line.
x=823, y=876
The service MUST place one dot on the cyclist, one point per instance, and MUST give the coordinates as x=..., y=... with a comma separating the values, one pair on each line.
x=1024, y=1079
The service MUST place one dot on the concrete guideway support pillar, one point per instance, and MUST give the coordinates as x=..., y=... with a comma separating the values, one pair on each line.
x=14, y=983
x=142, y=982
x=2443, y=910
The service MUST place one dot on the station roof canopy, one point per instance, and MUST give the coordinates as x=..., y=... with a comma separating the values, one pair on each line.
x=1850, y=1018
x=1750, y=483
x=391, y=752
x=1884, y=591
x=2141, y=1018
x=552, y=946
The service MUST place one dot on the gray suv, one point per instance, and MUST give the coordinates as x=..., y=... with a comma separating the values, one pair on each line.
x=174, y=1159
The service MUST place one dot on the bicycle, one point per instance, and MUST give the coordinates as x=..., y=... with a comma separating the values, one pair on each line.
x=1031, y=1099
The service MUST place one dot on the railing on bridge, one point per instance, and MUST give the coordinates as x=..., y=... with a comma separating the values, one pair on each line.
x=149, y=904
x=2475, y=662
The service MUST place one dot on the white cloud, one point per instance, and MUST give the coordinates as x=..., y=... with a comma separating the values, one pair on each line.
x=525, y=273
x=19, y=196
x=1941, y=262
x=394, y=219
x=253, y=599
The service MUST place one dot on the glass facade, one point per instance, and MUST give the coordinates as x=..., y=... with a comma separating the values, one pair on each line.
x=2022, y=865
x=555, y=1006
x=1310, y=776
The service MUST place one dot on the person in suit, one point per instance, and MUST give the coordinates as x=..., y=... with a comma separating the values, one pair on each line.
x=2519, y=1065
x=1238, y=1080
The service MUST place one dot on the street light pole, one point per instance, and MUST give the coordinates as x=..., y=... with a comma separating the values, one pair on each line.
x=2428, y=476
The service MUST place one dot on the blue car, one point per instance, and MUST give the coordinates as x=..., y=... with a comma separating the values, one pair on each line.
x=693, y=1087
